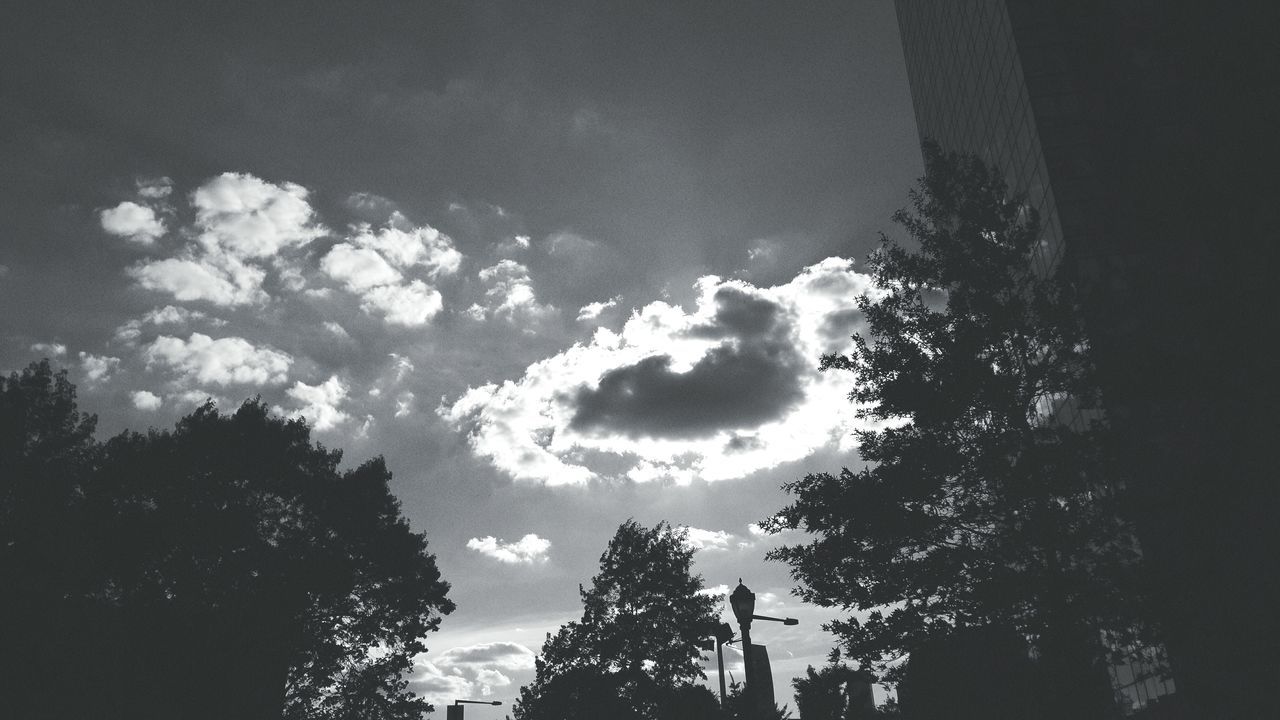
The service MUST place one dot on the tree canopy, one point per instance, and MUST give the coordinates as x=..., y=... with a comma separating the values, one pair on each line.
x=979, y=503
x=635, y=652
x=225, y=568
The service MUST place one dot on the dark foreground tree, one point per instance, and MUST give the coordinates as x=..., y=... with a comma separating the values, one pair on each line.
x=227, y=568
x=47, y=450
x=834, y=692
x=979, y=505
x=635, y=652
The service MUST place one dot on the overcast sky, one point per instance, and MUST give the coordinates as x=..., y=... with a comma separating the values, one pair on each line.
x=561, y=263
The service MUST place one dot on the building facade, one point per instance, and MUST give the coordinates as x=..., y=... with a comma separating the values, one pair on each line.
x=1136, y=129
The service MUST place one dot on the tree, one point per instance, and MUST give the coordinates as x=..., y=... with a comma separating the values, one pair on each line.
x=977, y=505
x=635, y=652
x=833, y=693
x=736, y=707
x=47, y=450
x=226, y=568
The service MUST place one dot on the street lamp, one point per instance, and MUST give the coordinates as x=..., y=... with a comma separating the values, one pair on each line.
x=743, y=602
x=454, y=711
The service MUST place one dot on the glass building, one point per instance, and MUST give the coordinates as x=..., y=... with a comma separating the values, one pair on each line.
x=1136, y=129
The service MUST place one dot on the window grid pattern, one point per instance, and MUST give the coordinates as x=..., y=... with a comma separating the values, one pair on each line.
x=993, y=79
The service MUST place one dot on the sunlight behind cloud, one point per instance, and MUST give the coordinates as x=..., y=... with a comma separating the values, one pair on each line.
x=715, y=393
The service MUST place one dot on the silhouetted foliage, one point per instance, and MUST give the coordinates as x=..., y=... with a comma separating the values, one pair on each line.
x=976, y=506
x=634, y=653
x=47, y=450
x=736, y=706
x=227, y=568
x=834, y=692
x=971, y=673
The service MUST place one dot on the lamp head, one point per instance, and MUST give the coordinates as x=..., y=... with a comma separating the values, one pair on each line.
x=743, y=602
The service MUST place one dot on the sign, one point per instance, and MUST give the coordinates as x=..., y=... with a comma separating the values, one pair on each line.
x=761, y=678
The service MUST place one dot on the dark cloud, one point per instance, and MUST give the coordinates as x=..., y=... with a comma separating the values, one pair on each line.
x=841, y=324
x=748, y=380
x=740, y=314
x=730, y=387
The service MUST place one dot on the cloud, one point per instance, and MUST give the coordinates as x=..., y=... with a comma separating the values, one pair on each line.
x=133, y=221
x=404, y=403
x=50, y=349
x=699, y=539
x=358, y=268
x=320, y=403
x=240, y=222
x=145, y=400
x=372, y=265
x=510, y=294
x=221, y=280
x=130, y=331
x=471, y=671
x=723, y=390
x=246, y=217
x=156, y=188
x=592, y=311
x=423, y=247
x=225, y=361
x=98, y=368
x=337, y=329
x=527, y=550
x=409, y=305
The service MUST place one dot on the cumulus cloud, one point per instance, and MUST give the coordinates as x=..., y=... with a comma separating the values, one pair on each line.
x=241, y=222
x=423, y=247
x=510, y=294
x=98, y=368
x=472, y=671
x=145, y=400
x=133, y=221
x=247, y=217
x=319, y=403
x=225, y=361
x=725, y=389
x=373, y=265
x=219, y=279
x=409, y=305
x=525, y=551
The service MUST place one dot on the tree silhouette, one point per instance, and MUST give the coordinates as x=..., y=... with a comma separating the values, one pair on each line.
x=976, y=505
x=830, y=693
x=227, y=568
x=737, y=707
x=634, y=653
x=47, y=450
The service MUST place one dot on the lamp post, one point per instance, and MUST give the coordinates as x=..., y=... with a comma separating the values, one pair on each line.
x=743, y=602
x=454, y=711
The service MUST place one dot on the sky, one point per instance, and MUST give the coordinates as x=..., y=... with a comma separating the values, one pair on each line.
x=561, y=264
